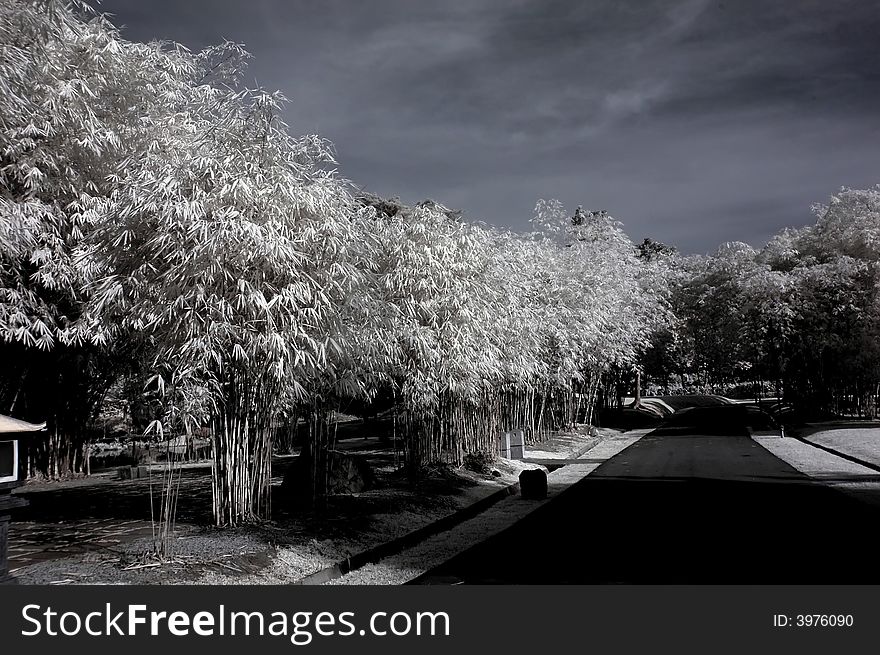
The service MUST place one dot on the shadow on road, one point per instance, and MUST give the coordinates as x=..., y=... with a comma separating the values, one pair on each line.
x=681, y=531
x=695, y=502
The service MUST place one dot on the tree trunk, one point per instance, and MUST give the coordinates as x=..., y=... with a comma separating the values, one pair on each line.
x=242, y=462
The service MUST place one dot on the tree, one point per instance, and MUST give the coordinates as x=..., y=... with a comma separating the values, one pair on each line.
x=227, y=244
x=68, y=87
x=801, y=313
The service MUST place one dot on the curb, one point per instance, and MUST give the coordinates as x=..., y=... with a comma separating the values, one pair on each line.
x=388, y=548
x=568, y=459
x=395, y=546
x=585, y=449
x=492, y=522
x=833, y=451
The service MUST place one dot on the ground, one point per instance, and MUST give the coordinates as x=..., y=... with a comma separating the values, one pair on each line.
x=763, y=508
x=410, y=563
x=708, y=503
x=860, y=440
x=842, y=473
x=98, y=530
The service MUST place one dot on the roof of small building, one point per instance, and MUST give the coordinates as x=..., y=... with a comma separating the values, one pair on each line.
x=9, y=425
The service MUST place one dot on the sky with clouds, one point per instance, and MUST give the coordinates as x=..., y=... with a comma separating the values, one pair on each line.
x=693, y=122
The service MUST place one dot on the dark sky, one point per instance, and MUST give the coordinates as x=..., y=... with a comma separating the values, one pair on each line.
x=691, y=121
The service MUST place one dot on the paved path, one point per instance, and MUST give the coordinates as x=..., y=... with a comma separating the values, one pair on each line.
x=411, y=562
x=684, y=505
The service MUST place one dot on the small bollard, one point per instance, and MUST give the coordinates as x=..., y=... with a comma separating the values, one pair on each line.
x=533, y=484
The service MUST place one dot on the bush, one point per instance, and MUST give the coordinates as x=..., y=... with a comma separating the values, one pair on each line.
x=479, y=462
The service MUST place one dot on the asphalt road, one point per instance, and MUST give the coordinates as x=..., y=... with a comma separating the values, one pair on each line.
x=684, y=505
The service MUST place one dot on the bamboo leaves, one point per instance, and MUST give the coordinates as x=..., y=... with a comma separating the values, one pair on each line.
x=175, y=211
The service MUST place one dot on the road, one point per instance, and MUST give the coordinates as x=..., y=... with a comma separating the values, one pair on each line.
x=700, y=504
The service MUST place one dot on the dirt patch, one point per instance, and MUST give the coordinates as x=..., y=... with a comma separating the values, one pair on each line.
x=285, y=549
x=294, y=544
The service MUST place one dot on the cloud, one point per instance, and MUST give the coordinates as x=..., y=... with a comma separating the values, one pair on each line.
x=697, y=121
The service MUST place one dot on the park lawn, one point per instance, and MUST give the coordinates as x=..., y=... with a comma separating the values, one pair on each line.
x=862, y=442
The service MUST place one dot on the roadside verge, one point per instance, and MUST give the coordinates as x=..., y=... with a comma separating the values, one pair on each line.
x=823, y=465
x=407, y=559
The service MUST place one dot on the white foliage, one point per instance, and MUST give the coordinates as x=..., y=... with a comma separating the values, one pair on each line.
x=168, y=206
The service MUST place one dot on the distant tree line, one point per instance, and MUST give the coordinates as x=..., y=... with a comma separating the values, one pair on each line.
x=798, y=318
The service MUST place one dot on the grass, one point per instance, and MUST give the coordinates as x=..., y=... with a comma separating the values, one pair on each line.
x=860, y=442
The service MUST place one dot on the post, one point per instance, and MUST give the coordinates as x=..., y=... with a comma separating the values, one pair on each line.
x=4, y=549
x=11, y=432
x=8, y=502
